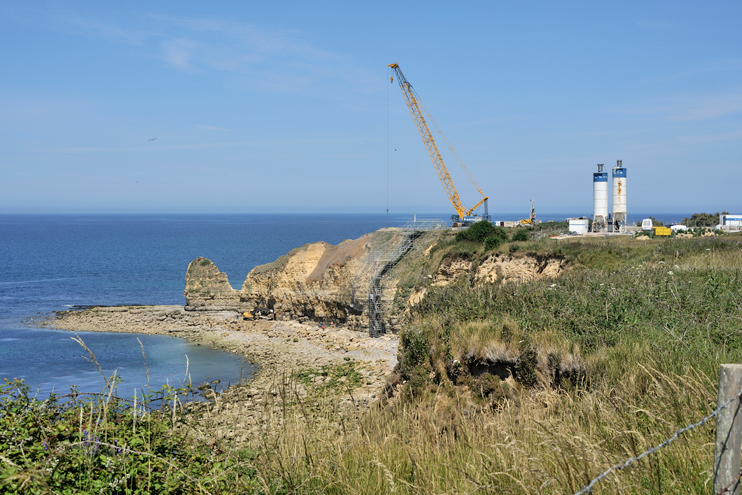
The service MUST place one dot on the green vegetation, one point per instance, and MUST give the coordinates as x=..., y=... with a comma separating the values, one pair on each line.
x=205, y=262
x=632, y=327
x=339, y=377
x=520, y=235
x=481, y=231
x=703, y=219
x=532, y=387
x=99, y=443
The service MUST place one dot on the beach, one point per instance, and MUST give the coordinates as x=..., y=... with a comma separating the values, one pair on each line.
x=280, y=350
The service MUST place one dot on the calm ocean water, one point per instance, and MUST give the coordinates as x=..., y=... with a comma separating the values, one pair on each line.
x=53, y=262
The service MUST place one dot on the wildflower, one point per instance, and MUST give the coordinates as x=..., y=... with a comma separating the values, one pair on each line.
x=676, y=267
x=670, y=272
x=44, y=444
x=553, y=285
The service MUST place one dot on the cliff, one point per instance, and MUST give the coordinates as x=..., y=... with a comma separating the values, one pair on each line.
x=325, y=283
x=208, y=288
x=318, y=282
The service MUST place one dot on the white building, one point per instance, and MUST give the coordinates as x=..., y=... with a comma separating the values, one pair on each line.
x=730, y=222
x=578, y=225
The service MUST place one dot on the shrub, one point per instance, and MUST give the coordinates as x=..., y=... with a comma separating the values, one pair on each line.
x=525, y=368
x=520, y=235
x=487, y=385
x=492, y=242
x=416, y=351
x=481, y=231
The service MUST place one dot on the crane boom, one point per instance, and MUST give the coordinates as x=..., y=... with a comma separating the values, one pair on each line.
x=413, y=104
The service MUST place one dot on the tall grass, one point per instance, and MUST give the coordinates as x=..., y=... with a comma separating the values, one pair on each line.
x=646, y=324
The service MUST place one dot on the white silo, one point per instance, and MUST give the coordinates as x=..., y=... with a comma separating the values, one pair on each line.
x=600, y=199
x=619, y=195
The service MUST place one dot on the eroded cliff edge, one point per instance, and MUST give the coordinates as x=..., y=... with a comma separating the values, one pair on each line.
x=325, y=283
x=318, y=282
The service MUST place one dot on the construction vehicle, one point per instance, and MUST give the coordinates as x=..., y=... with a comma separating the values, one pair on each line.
x=463, y=216
x=532, y=220
x=259, y=313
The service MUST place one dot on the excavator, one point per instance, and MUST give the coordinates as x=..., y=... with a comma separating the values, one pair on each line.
x=463, y=216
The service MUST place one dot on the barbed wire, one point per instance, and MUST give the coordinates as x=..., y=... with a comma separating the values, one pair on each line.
x=731, y=483
x=629, y=462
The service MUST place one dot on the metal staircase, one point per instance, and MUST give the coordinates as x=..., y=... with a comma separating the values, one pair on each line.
x=386, y=257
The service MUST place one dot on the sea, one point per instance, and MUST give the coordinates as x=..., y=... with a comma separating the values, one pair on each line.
x=56, y=262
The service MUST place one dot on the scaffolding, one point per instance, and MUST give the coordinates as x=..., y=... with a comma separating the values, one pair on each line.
x=386, y=257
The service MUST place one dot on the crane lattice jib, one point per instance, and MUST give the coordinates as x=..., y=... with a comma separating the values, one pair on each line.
x=427, y=137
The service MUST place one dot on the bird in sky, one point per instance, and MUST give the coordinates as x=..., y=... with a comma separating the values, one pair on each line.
x=151, y=139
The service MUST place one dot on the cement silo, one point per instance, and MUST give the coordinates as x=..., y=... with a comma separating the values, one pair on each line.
x=600, y=199
x=619, y=196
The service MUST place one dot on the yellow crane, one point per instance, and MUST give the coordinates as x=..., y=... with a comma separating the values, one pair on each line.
x=413, y=103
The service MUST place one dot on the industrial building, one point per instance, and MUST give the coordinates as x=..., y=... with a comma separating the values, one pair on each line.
x=616, y=221
x=619, y=196
x=600, y=199
x=578, y=225
x=730, y=222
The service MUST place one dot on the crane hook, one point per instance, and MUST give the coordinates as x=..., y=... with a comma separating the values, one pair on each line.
x=392, y=80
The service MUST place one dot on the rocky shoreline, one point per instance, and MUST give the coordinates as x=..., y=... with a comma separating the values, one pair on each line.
x=279, y=350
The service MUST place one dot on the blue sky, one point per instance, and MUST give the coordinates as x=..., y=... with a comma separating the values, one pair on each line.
x=263, y=107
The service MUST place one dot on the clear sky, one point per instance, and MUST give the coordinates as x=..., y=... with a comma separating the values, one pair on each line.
x=286, y=107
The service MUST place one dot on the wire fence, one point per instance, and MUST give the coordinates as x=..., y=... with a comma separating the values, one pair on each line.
x=628, y=462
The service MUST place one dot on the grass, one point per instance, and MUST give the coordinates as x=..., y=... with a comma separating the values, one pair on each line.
x=100, y=443
x=501, y=388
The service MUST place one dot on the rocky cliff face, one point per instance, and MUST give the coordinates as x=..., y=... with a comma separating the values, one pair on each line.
x=326, y=283
x=318, y=282
x=207, y=288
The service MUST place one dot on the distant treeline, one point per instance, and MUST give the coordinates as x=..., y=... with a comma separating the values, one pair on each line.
x=703, y=219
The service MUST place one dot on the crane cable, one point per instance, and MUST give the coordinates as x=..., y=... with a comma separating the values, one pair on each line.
x=450, y=147
x=387, y=149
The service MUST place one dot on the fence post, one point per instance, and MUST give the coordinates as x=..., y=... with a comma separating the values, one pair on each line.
x=728, y=443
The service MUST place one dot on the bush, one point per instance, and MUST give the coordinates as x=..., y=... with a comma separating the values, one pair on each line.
x=492, y=242
x=98, y=443
x=416, y=351
x=480, y=231
x=520, y=235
